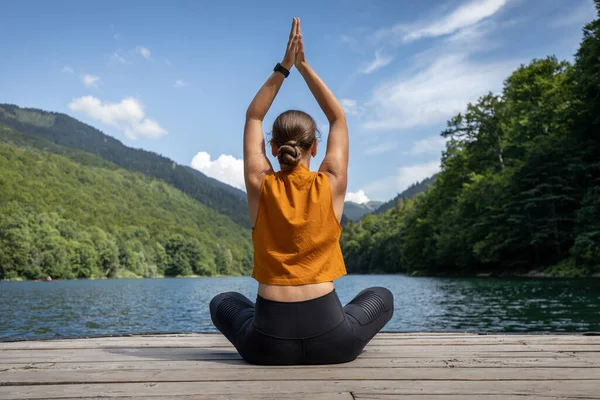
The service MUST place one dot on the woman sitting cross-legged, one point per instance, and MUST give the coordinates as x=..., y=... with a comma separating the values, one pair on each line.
x=298, y=317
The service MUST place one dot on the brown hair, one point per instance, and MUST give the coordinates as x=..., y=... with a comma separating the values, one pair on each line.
x=294, y=133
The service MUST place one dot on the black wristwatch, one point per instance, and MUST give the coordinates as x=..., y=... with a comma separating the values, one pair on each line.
x=282, y=69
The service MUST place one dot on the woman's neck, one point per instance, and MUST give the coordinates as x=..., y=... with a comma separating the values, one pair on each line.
x=306, y=163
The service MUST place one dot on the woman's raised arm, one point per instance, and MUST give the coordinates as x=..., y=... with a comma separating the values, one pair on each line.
x=256, y=163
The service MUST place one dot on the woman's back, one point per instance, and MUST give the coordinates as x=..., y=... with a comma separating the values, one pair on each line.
x=296, y=235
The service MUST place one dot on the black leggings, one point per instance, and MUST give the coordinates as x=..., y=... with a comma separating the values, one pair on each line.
x=317, y=331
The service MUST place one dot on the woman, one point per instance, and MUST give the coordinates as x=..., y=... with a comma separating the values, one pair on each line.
x=298, y=318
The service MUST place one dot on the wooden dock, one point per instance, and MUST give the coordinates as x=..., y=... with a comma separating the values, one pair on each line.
x=426, y=366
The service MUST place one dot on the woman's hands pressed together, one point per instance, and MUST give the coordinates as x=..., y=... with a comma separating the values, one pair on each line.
x=299, y=60
x=294, y=53
x=290, y=51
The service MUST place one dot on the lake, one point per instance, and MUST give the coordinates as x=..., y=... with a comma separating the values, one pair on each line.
x=30, y=310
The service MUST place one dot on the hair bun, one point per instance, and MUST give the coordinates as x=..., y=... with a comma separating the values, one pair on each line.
x=288, y=154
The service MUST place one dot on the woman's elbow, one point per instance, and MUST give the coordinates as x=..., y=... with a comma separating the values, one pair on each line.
x=252, y=115
x=338, y=118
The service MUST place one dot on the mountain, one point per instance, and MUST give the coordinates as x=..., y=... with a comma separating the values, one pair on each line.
x=67, y=213
x=409, y=193
x=355, y=211
x=65, y=131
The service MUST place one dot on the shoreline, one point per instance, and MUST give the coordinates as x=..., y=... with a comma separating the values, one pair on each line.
x=501, y=275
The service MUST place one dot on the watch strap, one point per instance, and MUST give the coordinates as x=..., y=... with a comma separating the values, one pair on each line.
x=282, y=69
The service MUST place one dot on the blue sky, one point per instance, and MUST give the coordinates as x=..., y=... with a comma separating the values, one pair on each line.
x=176, y=77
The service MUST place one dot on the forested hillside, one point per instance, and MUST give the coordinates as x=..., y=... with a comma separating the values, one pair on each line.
x=69, y=132
x=519, y=188
x=89, y=218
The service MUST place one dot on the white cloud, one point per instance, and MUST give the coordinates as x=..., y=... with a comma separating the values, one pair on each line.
x=168, y=62
x=127, y=115
x=583, y=13
x=226, y=168
x=405, y=176
x=350, y=106
x=444, y=78
x=466, y=15
x=143, y=51
x=358, y=197
x=90, y=80
x=117, y=36
x=380, y=61
x=431, y=95
x=67, y=69
x=432, y=144
x=179, y=83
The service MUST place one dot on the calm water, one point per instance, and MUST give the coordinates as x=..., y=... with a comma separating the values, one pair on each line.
x=90, y=308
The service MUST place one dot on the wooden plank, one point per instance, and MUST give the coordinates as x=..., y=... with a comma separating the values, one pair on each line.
x=506, y=348
x=386, y=347
x=344, y=396
x=219, y=336
x=99, y=375
x=586, y=355
x=228, y=353
x=248, y=396
x=366, y=396
x=209, y=340
x=455, y=362
x=491, y=340
x=174, y=354
x=397, y=388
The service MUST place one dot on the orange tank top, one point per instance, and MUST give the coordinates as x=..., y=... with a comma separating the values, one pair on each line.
x=296, y=234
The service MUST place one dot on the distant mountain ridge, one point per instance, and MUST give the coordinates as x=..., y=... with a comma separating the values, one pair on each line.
x=355, y=211
x=66, y=131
